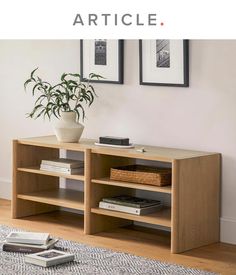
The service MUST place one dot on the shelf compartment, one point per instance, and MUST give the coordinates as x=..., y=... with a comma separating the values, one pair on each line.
x=60, y=197
x=36, y=170
x=162, y=217
x=107, y=181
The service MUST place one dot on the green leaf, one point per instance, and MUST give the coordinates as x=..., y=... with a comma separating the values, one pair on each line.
x=27, y=82
x=79, y=106
x=32, y=73
x=63, y=76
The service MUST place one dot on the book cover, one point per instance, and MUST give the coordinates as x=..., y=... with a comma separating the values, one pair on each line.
x=28, y=248
x=28, y=238
x=132, y=201
x=49, y=258
x=128, y=209
x=15, y=248
x=64, y=162
x=69, y=171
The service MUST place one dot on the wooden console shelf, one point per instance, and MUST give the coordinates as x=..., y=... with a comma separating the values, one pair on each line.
x=162, y=217
x=192, y=216
x=36, y=170
x=60, y=197
x=107, y=181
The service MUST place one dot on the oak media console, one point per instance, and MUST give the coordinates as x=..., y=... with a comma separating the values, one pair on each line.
x=192, y=216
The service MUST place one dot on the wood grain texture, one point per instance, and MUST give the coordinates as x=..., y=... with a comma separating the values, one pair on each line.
x=107, y=181
x=195, y=202
x=23, y=156
x=152, y=152
x=161, y=217
x=87, y=191
x=36, y=170
x=60, y=197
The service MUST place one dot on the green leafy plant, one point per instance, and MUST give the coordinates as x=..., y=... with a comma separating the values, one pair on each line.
x=70, y=94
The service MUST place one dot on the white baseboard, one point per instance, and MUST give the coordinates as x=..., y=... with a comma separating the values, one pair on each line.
x=228, y=230
x=5, y=188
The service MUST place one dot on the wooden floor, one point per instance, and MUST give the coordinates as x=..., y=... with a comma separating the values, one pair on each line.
x=220, y=258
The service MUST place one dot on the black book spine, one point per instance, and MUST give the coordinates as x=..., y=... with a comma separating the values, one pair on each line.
x=16, y=248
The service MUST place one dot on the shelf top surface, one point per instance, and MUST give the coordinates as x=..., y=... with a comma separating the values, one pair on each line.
x=151, y=152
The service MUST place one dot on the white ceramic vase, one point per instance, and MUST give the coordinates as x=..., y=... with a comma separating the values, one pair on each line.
x=67, y=129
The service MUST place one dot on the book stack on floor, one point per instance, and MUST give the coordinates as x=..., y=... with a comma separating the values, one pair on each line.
x=39, y=246
x=63, y=165
x=131, y=205
x=28, y=242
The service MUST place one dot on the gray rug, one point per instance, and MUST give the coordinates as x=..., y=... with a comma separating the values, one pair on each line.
x=89, y=260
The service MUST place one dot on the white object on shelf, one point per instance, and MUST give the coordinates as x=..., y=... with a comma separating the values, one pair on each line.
x=68, y=171
x=67, y=129
x=129, y=209
x=63, y=163
x=115, y=146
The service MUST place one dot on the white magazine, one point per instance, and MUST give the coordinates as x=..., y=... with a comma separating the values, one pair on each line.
x=28, y=238
x=128, y=209
x=49, y=258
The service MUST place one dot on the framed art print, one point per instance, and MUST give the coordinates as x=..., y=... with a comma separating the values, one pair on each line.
x=164, y=62
x=104, y=57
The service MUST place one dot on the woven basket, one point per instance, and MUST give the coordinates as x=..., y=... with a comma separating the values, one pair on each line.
x=142, y=174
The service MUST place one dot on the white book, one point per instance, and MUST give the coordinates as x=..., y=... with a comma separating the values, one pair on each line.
x=28, y=237
x=128, y=209
x=49, y=258
x=63, y=162
x=69, y=171
x=51, y=242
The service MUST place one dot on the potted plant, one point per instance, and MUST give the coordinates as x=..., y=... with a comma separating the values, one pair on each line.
x=65, y=100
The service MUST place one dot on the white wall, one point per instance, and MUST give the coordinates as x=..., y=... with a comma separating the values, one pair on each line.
x=201, y=117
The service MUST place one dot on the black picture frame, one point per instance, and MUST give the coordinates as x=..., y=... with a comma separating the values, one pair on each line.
x=185, y=65
x=120, y=70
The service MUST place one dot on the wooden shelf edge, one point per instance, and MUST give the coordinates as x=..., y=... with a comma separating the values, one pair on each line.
x=60, y=197
x=36, y=170
x=163, y=217
x=107, y=181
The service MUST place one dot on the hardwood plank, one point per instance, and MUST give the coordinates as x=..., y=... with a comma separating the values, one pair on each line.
x=60, y=197
x=152, y=152
x=87, y=192
x=196, y=202
x=107, y=181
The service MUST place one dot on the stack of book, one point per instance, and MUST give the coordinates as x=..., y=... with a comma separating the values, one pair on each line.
x=63, y=165
x=28, y=242
x=131, y=205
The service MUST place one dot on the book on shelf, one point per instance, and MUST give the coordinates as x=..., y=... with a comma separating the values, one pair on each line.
x=129, y=209
x=49, y=258
x=28, y=238
x=28, y=248
x=64, y=162
x=131, y=201
x=63, y=170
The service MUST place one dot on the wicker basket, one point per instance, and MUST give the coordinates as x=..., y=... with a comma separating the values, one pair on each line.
x=142, y=174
